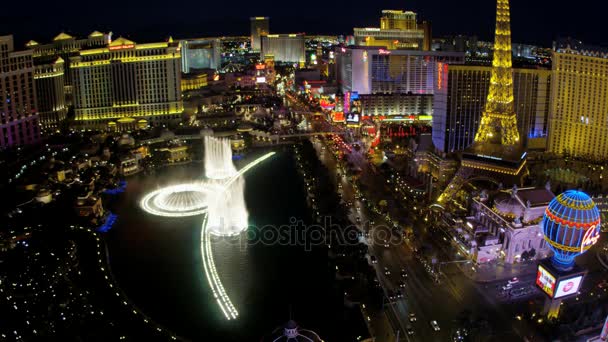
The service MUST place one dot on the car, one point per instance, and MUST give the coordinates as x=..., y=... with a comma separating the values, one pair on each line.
x=403, y=273
x=401, y=284
x=387, y=271
x=391, y=296
x=435, y=326
x=386, y=245
x=399, y=294
x=507, y=287
x=373, y=259
x=513, y=281
x=412, y=317
x=410, y=331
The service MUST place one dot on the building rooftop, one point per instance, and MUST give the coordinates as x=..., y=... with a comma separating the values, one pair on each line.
x=95, y=34
x=121, y=41
x=538, y=197
x=63, y=36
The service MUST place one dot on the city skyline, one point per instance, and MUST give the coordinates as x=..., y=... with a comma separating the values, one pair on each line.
x=265, y=172
x=535, y=23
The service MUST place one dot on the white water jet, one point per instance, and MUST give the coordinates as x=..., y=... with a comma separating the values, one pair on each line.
x=227, y=210
x=228, y=214
x=218, y=158
x=191, y=199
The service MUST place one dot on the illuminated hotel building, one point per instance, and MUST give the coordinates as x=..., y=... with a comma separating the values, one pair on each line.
x=127, y=82
x=505, y=226
x=398, y=30
x=259, y=27
x=579, y=120
x=397, y=105
x=50, y=93
x=66, y=46
x=194, y=82
x=286, y=48
x=375, y=70
x=19, y=123
x=200, y=54
x=401, y=84
x=455, y=122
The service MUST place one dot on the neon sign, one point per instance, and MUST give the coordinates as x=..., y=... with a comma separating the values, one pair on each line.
x=439, y=75
x=325, y=104
x=590, y=238
x=120, y=47
x=490, y=157
x=347, y=102
x=338, y=116
x=384, y=52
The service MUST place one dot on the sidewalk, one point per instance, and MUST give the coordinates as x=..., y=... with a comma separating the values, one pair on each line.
x=378, y=325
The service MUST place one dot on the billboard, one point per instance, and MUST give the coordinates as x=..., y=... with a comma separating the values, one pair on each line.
x=568, y=287
x=352, y=118
x=545, y=281
x=337, y=116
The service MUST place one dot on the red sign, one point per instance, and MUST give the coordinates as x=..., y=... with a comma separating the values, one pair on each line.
x=338, y=116
x=260, y=67
x=325, y=104
x=439, y=75
x=120, y=47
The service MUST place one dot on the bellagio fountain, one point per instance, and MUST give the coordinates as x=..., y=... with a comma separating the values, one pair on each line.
x=219, y=199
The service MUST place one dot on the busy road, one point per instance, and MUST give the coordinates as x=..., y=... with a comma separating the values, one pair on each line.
x=427, y=295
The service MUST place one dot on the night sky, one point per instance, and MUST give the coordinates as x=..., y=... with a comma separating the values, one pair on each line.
x=536, y=22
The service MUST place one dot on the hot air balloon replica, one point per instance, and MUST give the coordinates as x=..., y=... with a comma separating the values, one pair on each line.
x=571, y=226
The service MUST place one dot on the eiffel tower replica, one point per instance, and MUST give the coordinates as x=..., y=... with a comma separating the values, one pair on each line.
x=497, y=153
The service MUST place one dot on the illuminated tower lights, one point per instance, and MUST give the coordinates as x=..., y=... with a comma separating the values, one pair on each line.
x=499, y=121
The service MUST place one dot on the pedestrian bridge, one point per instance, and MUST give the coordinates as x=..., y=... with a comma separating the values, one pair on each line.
x=255, y=133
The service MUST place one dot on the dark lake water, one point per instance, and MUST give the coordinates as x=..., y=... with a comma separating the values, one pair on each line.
x=157, y=261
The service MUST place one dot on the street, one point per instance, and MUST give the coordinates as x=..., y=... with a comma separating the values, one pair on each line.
x=454, y=296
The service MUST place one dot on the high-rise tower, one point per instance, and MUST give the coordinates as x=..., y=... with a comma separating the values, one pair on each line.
x=497, y=152
x=499, y=122
x=259, y=28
